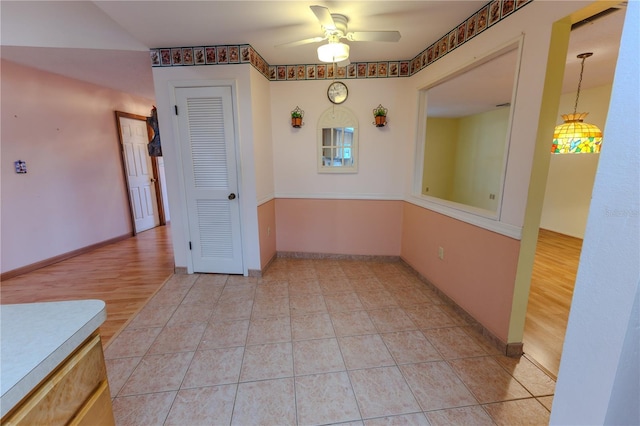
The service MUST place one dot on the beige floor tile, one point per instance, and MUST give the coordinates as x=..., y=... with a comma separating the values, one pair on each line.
x=335, y=285
x=454, y=314
x=482, y=341
x=352, y=323
x=406, y=297
x=382, y=392
x=191, y=314
x=179, y=338
x=269, y=330
x=180, y=281
x=436, y=386
x=473, y=415
x=152, y=316
x=233, y=292
x=429, y=316
x=203, y=406
x=366, y=284
x=132, y=343
x=214, y=367
x=307, y=304
x=171, y=293
x=272, y=289
x=365, y=351
x=340, y=302
x=158, y=373
x=410, y=347
x=315, y=326
x=376, y=299
x=239, y=280
x=211, y=280
x=453, y=342
x=317, y=356
x=531, y=377
x=270, y=361
x=301, y=287
x=268, y=402
x=415, y=419
x=224, y=334
x=147, y=409
x=118, y=372
x=391, y=319
x=520, y=412
x=487, y=380
x=203, y=292
x=325, y=398
x=232, y=309
x=268, y=307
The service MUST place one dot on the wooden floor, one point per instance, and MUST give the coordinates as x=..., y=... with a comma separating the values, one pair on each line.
x=554, y=275
x=124, y=274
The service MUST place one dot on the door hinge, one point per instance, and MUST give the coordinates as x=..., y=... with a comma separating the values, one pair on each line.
x=190, y=248
x=175, y=107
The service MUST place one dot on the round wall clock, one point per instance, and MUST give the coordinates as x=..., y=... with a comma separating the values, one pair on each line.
x=337, y=92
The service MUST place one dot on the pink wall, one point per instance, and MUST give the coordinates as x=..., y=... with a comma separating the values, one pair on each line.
x=73, y=195
x=267, y=232
x=478, y=269
x=359, y=227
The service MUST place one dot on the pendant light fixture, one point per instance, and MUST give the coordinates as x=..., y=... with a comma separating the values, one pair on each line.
x=574, y=136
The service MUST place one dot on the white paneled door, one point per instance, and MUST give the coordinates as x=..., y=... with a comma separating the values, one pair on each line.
x=207, y=149
x=140, y=178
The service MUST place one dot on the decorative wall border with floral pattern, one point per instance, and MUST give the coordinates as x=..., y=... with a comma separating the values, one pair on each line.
x=485, y=17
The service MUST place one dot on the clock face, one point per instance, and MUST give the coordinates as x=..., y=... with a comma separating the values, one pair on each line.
x=337, y=92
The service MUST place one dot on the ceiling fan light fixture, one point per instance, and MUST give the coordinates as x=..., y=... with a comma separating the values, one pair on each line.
x=333, y=52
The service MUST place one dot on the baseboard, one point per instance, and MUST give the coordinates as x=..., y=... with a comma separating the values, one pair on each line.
x=513, y=350
x=180, y=270
x=52, y=260
x=361, y=257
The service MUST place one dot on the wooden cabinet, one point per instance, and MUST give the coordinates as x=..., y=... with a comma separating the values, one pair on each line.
x=76, y=392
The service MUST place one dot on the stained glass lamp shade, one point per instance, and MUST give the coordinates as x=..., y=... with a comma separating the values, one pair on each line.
x=574, y=136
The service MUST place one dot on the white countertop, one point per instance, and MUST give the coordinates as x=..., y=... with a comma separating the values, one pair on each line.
x=36, y=337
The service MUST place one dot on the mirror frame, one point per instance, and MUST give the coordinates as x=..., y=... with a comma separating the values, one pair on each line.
x=453, y=208
x=337, y=117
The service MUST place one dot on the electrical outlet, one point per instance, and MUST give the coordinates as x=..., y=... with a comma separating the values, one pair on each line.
x=440, y=253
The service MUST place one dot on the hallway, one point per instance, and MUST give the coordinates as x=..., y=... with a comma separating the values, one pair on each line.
x=123, y=274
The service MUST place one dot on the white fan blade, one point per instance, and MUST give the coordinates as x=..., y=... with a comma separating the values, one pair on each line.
x=301, y=42
x=324, y=16
x=344, y=63
x=373, y=36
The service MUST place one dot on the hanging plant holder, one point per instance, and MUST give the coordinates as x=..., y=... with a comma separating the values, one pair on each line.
x=380, y=116
x=296, y=117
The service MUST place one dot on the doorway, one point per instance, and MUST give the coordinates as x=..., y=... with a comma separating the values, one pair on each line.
x=141, y=173
x=567, y=195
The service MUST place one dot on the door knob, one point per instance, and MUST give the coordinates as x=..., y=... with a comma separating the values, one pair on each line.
x=232, y=196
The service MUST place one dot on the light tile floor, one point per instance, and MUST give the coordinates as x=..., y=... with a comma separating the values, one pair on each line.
x=314, y=342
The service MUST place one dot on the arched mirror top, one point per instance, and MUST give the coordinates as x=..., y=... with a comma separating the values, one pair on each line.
x=337, y=116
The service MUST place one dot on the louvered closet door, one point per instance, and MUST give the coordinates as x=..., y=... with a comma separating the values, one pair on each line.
x=205, y=122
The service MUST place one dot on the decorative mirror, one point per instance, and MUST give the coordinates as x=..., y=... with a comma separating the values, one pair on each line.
x=337, y=141
x=467, y=132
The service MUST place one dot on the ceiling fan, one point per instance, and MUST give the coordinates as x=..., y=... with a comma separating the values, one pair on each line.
x=334, y=26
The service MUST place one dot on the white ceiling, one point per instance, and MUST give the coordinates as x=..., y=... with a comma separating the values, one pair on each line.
x=107, y=42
